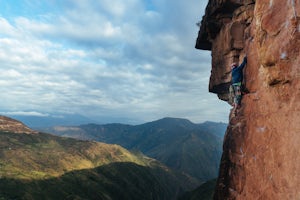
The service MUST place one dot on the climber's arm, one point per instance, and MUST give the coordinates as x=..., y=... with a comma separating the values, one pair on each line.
x=243, y=63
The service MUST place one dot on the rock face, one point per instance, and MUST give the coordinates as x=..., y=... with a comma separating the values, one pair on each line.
x=11, y=125
x=261, y=146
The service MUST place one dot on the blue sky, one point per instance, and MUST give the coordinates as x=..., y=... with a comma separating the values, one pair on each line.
x=129, y=59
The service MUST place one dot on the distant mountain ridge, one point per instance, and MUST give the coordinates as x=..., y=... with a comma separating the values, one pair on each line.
x=36, y=121
x=194, y=149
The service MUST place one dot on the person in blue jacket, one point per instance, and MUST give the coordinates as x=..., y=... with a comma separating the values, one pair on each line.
x=236, y=81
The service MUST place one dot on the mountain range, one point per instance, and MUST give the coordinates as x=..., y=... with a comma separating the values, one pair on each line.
x=53, y=119
x=37, y=165
x=38, y=120
x=194, y=149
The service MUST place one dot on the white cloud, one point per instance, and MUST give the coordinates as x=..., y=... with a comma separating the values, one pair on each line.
x=6, y=28
x=25, y=113
x=93, y=57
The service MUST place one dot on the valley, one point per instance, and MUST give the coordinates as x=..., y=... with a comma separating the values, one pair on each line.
x=38, y=165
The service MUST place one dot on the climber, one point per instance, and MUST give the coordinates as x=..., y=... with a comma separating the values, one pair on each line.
x=236, y=81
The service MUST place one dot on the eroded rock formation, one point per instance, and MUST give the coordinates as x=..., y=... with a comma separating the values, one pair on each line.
x=261, y=146
x=10, y=125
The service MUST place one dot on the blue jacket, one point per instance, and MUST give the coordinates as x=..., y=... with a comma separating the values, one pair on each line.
x=237, y=72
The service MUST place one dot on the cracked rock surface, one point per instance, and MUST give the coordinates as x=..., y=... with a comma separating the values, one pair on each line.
x=261, y=146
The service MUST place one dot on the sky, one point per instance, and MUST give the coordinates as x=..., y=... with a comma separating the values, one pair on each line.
x=122, y=60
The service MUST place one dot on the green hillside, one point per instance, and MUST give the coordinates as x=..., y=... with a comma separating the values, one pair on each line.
x=194, y=149
x=123, y=180
x=43, y=155
x=42, y=166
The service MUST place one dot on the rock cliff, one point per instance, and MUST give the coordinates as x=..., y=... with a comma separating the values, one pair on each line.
x=261, y=146
x=10, y=125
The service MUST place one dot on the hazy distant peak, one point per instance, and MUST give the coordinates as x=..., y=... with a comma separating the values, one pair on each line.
x=172, y=122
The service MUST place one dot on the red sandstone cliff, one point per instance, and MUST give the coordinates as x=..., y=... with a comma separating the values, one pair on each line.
x=261, y=151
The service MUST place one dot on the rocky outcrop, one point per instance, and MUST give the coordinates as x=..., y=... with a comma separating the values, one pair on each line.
x=261, y=146
x=10, y=125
